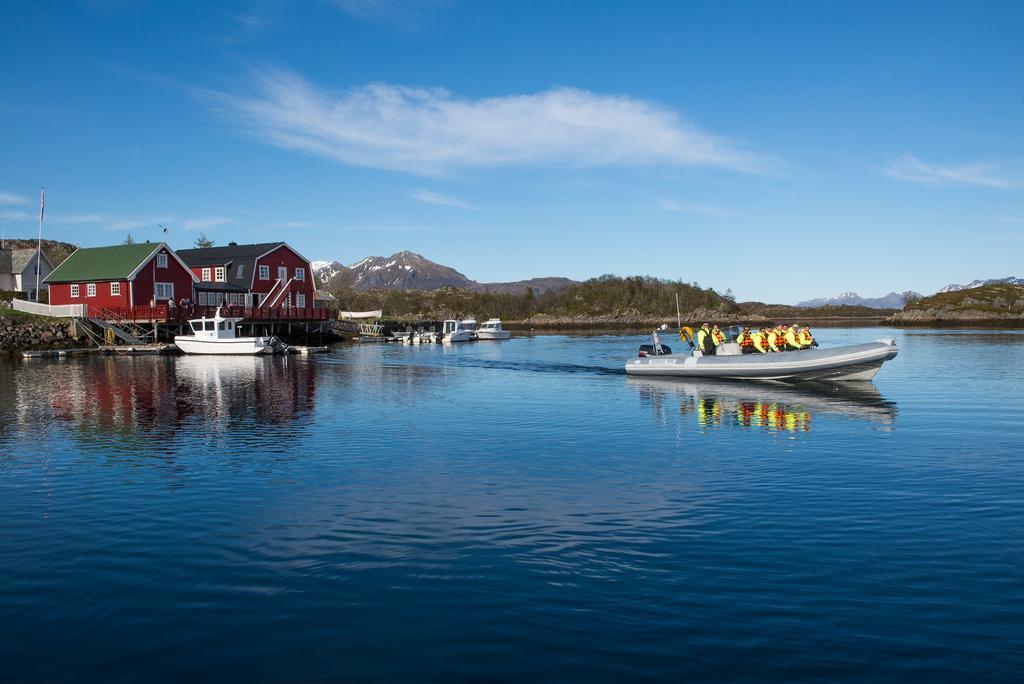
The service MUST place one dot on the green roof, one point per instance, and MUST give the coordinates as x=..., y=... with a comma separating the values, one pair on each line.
x=101, y=263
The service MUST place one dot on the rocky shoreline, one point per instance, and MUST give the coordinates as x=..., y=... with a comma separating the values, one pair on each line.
x=18, y=336
x=958, y=317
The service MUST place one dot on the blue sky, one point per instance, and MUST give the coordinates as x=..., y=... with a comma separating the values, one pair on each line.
x=785, y=150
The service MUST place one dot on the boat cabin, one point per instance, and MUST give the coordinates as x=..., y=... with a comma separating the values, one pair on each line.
x=216, y=328
x=452, y=326
x=492, y=324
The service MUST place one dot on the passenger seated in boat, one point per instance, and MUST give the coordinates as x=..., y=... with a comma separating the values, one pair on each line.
x=717, y=336
x=775, y=341
x=792, y=343
x=761, y=341
x=807, y=340
x=746, y=340
x=705, y=341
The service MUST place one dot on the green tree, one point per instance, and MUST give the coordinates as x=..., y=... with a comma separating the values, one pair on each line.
x=203, y=242
x=129, y=240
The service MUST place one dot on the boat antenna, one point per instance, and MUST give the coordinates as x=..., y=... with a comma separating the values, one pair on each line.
x=679, y=317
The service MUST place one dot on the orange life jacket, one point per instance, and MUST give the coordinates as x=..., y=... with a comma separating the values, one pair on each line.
x=746, y=339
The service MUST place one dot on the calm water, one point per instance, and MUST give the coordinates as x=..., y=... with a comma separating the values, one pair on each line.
x=515, y=510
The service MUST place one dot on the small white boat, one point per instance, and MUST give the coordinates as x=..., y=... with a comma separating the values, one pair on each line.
x=454, y=332
x=850, y=362
x=470, y=325
x=219, y=335
x=492, y=330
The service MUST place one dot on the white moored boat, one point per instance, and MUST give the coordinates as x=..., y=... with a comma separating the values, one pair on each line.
x=219, y=335
x=492, y=330
x=851, y=362
x=454, y=332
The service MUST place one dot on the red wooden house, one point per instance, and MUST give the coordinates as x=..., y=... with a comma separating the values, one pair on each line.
x=121, y=277
x=269, y=275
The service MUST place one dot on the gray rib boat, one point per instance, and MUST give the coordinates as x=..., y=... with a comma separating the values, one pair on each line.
x=851, y=362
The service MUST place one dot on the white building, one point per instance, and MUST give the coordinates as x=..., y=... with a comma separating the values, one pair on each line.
x=18, y=271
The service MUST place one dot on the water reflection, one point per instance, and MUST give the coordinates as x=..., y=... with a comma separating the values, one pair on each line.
x=133, y=397
x=773, y=407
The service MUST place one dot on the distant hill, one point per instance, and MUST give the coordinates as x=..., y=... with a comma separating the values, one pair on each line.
x=55, y=251
x=998, y=303
x=1008, y=280
x=893, y=300
x=410, y=271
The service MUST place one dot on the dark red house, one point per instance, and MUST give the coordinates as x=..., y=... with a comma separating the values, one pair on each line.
x=121, y=277
x=268, y=275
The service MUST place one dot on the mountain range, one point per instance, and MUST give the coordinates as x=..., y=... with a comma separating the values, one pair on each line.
x=893, y=300
x=410, y=271
x=1008, y=280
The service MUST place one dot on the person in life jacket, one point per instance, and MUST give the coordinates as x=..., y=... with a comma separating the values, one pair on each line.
x=761, y=341
x=792, y=343
x=717, y=336
x=775, y=341
x=705, y=340
x=807, y=340
x=746, y=340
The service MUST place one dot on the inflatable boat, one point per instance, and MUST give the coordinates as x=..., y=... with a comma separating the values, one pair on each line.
x=851, y=362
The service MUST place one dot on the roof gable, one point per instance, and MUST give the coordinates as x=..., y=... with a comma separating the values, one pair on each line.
x=20, y=258
x=103, y=263
x=231, y=256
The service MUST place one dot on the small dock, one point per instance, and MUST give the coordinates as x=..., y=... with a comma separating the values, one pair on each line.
x=57, y=353
x=139, y=349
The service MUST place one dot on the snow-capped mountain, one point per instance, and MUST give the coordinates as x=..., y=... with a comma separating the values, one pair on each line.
x=410, y=271
x=893, y=300
x=1009, y=280
x=404, y=271
x=324, y=271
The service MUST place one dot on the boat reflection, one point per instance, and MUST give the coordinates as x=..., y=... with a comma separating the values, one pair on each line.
x=772, y=407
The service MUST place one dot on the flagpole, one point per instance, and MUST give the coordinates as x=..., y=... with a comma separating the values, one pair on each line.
x=39, y=245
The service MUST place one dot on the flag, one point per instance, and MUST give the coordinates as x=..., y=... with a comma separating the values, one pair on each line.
x=42, y=204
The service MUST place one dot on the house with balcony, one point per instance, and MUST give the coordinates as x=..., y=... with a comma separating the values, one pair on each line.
x=269, y=275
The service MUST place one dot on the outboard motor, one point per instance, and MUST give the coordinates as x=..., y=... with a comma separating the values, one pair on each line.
x=656, y=349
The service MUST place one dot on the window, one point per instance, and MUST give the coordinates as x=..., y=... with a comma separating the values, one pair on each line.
x=229, y=325
x=115, y=289
x=209, y=325
x=90, y=290
x=264, y=273
x=197, y=326
x=206, y=275
x=300, y=274
x=161, y=260
x=300, y=300
x=75, y=292
x=164, y=291
x=220, y=326
x=282, y=273
x=240, y=271
x=219, y=274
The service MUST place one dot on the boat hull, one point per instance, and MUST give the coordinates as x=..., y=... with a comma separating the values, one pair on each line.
x=853, y=362
x=459, y=336
x=493, y=334
x=236, y=346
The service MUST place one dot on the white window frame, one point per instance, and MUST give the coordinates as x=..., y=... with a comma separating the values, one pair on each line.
x=264, y=273
x=207, y=275
x=115, y=289
x=282, y=273
x=300, y=300
x=76, y=291
x=160, y=297
x=218, y=274
x=300, y=273
x=90, y=290
x=161, y=260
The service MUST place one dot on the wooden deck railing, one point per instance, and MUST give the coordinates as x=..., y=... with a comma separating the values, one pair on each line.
x=161, y=313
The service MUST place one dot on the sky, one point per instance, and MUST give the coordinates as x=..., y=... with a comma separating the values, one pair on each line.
x=783, y=150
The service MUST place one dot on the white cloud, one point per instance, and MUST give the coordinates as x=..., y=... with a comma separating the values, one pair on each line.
x=685, y=207
x=10, y=198
x=428, y=197
x=910, y=168
x=15, y=215
x=431, y=131
x=205, y=223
